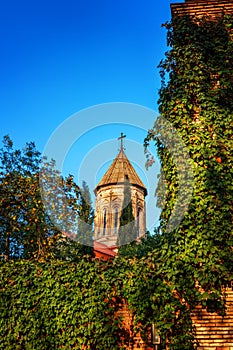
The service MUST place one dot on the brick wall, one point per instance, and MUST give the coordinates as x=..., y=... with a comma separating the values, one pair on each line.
x=202, y=7
x=135, y=341
x=214, y=332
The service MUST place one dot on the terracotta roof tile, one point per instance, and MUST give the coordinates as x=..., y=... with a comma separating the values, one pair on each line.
x=102, y=248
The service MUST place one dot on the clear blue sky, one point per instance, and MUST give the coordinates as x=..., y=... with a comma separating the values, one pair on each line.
x=59, y=57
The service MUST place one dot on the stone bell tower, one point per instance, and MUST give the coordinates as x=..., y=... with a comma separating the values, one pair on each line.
x=110, y=197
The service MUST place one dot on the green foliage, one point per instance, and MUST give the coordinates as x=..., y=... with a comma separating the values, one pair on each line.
x=139, y=249
x=70, y=305
x=127, y=230
x=57, y=305
x=85, y=220
x=23, y=222
x=152, y=299
x=197, y=99
x=27, y=228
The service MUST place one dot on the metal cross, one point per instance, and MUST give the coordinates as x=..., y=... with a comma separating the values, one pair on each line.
x=121, y=140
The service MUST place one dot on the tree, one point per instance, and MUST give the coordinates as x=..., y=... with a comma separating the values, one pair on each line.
x=85, y=220
x=20, y=202
x=127, y=229
x=37, y=207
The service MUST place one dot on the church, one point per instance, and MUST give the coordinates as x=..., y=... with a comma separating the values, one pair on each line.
x=110, y=202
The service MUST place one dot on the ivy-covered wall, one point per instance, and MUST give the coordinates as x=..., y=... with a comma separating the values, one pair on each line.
x=196, y=98
x=212, y=330
x=57, y=306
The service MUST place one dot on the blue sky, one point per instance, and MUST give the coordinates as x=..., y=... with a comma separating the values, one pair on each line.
x=60, y=57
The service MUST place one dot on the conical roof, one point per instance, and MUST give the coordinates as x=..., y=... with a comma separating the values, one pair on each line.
x=120, y=170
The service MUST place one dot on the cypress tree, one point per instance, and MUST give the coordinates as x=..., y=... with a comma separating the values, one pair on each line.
x=127, y=230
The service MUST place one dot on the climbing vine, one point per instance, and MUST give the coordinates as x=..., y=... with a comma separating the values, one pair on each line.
x=196, y=97
x=57, y=305
x=74, y=305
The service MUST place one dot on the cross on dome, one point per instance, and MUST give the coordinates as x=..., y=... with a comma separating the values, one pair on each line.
x=121, y=141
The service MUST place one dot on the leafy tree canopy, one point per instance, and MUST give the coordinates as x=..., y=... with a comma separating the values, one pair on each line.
x=26, y=228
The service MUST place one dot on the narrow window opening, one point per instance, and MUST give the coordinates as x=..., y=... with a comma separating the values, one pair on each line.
x=139, y=213
x=105, y=221
x=115, y=221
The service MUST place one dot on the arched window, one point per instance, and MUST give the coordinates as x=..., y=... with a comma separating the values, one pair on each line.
x=139, y=217
x=115, y=221
x=105, y=221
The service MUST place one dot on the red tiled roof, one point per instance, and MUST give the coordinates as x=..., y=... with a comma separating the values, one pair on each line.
x=101, y=250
